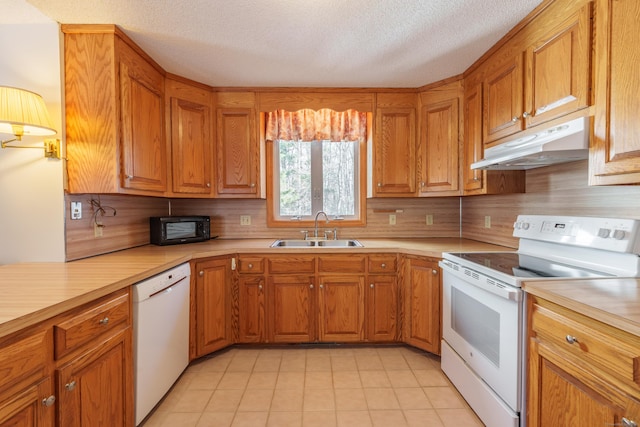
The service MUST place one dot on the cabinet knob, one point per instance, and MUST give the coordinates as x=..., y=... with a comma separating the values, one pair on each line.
x=379, y=184
x=49, y=401
x=571, y=339
x=525, y=114
x=259, y=287
x=201, y=273
x=129, y=176
x=208, y=185
x=422, y=184
x=383, y=265
x=311, y=286
x=70, y=386
x=626, y=422
x=371, y=286
x=252, y=185
x=250, y=266
x=321, y=286
x=434, y=272
x=514, y=119
x=104, y=321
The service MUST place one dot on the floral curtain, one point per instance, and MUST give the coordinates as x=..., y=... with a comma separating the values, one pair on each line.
x=321, y=125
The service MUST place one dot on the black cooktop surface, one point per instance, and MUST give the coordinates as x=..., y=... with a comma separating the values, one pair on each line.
x=520, y=265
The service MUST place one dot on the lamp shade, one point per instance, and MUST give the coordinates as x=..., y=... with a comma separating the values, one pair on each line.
x=23, y=113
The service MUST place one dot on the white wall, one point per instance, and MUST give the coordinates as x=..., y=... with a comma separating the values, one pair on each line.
x=31, y=186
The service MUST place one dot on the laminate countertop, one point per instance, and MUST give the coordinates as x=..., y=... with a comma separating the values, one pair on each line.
x=34, y=292
x=613, y=301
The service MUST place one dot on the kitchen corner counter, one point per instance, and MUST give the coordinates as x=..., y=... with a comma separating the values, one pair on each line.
x=34, y=292
x=615, y=302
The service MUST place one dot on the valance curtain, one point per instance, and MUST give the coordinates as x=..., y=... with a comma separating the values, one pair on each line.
x=321, y=125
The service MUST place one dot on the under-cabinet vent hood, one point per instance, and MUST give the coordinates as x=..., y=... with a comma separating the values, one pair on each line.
x=567, y=142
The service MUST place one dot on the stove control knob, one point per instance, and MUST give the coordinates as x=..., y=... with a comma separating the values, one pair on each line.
x=604, y=233
x=525, y=225
x=618, y=234
x=517, y=225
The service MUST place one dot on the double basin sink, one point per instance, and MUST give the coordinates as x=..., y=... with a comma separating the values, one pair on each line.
x=343, y=243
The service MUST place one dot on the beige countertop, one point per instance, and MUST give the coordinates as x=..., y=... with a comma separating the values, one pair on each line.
x=33, y=292
x=612, y=301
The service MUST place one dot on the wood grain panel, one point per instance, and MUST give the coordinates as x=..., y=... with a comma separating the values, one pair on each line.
x=23, y=355
x=292, y=301
x=341, y=308
x=394, y=152
x=293, y=101
x=503, y=101
x=348, y=263
x=238, y=156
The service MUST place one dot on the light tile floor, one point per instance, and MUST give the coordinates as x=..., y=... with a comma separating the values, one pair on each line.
x=388, y=386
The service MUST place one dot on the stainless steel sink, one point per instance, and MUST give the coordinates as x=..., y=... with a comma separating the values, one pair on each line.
x=343, y=243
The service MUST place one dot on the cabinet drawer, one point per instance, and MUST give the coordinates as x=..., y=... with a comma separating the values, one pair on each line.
x=383, y=263
x=90, y=322
x=251, y=264
x=351, y=263
x=24, y=355
x=291, y=264
x=591, y=344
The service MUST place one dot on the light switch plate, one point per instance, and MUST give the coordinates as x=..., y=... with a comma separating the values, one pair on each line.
x=76, y=210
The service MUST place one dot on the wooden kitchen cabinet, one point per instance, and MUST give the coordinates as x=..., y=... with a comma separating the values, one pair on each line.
x=438, y=149
x=190, y=133
x=476, y=181
x=394, y=145
x=549, y=79
x=114, y=109
x=212, y=301
x=29, y=407
x=251, y=309
x=341, y=308
x=239, y=150
x=615, y=148
x=581, y=371
x=422, y=301
x=382, y=308
x=292, y=308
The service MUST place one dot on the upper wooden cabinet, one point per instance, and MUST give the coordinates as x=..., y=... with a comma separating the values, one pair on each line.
x=189, y=111
x=548, y=79
x=114, y=107
x=439, y=141
x=394, y=145
x=238, y=147
x=615, y=148
x=476, y=181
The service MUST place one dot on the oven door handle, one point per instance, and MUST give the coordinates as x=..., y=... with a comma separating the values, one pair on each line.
x=479, y=280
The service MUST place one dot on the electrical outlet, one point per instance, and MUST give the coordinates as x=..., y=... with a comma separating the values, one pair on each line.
x=97, y=230
x=392, y=219
x=487, y=221
x=429, y=219
x=245, y=219
x=76, y=210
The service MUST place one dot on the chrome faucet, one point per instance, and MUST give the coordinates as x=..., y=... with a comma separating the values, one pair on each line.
x=315, y=233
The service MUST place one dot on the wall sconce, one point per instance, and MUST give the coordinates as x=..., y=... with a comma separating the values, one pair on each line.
x=23, y=113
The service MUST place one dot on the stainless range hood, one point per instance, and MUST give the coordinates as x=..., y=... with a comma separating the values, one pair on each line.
x=567, y=142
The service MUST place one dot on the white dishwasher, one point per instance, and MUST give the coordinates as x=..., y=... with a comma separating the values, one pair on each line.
x=160, y=334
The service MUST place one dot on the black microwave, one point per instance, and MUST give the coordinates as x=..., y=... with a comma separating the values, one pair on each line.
x=173, y=230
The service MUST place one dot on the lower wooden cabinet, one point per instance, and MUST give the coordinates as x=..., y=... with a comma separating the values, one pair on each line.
x=292, y=308
x=381, y=302
x=580, y=371
x=33, y=406
x=341, y=308
x=251, y=306
x=422, y=301
x=212, y=302
x=94, y=389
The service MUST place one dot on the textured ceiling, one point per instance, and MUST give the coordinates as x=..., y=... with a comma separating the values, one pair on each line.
x=315, y=43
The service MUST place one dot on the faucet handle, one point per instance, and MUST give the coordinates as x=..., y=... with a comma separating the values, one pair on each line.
x=306, y=234
x=335, y=233
x=327, y=232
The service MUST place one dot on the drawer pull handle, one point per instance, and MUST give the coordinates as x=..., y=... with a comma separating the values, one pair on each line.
x=383, y=265
x=371, y=286
x=104, y=321
x=201, y=273
x=311, y=286
x=49, y=401
x=571, y=339
x=260, y=287
x=626, y=422
x=250, y=266
x=70, y=386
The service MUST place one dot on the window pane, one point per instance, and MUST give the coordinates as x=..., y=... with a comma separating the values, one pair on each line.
x=338, y=180
x=295, y=178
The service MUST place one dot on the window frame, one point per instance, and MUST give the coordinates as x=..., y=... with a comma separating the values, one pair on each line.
x=360, y=217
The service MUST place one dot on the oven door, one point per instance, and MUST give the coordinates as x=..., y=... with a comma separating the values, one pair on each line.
x=482, y=324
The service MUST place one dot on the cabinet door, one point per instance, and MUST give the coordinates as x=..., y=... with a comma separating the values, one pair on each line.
x=382, y=308
x=238, y=153
x=422, y=307
x=96, y=389
x=439, y=147
x=341, y=308
x=143, y=144
x=190, y=140
x=292, y=308
x=615, y=148
x=251, y=309
x=503, y=101
x=558, y=70
x=31, y=407
x=472, y=179
x=394, y=152
x=213, y=305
